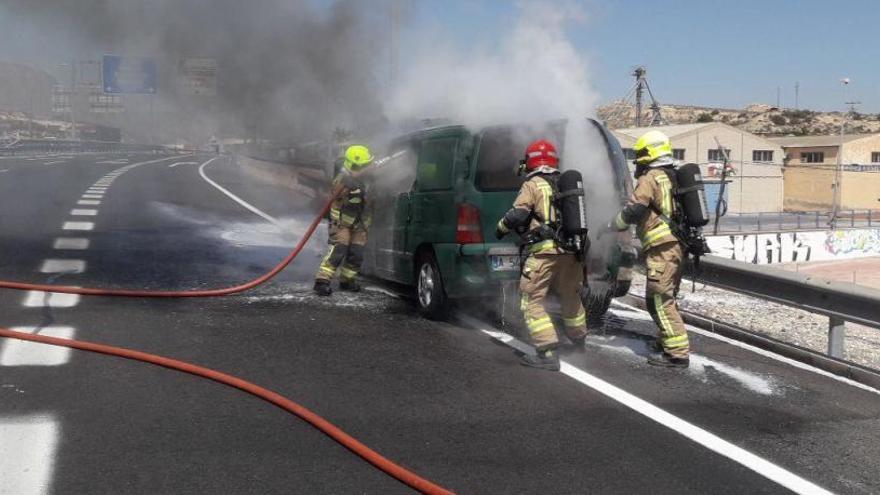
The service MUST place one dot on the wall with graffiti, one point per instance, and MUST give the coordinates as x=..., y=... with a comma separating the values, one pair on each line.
x=787, y=247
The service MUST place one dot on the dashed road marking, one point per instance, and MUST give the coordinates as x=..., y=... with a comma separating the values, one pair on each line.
x=78, y=226
x=88, y=202
x=83, y=212
x=71, y=243
x=28, y=446
x=182, y=163
x=93, y=196
x=40, y=299
x=23, y=353
x=55, y=162
x=63, y=266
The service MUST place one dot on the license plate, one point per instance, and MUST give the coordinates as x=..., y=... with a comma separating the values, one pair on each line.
x=504, y=263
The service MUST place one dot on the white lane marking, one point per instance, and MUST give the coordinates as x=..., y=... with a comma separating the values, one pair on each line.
x=709, y=440
x=4, y=170
x=55, y=162
x=93, y=196
x=97, y=188
x=83, y=212
x=28, y=446
x=182, y=163
x=78, y=226
x=765, y=353
x=88, y=202
x=71, y=243
x=248, y=206
x=63, y=266
x=40, y=299
x=23, y=353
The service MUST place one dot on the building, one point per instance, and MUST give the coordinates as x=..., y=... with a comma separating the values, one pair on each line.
x=756, y=184
x=811, y=170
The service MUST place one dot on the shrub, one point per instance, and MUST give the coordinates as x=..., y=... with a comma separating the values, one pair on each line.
x=778, y=119
x=704, y=117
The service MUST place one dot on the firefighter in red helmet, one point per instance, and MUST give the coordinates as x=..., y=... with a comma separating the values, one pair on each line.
x=547, y=265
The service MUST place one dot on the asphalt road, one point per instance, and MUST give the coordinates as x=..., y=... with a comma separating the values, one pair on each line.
x=444, y=399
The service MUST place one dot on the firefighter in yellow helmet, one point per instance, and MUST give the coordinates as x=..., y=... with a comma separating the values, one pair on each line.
x=349, y=222
x=650, y=209
x=548, y=266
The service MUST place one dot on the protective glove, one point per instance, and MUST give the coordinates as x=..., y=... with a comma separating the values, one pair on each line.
x=500, y=230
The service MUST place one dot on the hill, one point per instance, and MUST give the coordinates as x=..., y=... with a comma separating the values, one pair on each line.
x=756, y=118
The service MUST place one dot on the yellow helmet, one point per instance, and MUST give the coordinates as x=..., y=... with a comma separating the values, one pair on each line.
x=357, y=157
x=651, y=146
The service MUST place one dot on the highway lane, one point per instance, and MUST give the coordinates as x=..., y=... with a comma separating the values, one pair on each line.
x=441, y=398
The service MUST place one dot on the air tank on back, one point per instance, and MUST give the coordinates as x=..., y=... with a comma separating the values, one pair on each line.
x=570, y=201
x=692, y=194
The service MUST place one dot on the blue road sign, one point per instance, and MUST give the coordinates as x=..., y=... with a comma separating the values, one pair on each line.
x=130, y=75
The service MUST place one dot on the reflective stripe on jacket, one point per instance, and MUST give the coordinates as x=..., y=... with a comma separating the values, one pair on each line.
x=536, y=194
x=654, y=190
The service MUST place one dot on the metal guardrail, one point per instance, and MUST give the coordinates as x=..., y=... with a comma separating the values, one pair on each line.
x=809, y=220
x=30, y=146
x=839, y=301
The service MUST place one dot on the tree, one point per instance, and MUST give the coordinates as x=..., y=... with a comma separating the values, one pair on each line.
x=704, y=117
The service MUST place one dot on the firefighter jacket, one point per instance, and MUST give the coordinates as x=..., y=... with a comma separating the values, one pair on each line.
x=349, y=208
x=536, y=197
x=651, y=208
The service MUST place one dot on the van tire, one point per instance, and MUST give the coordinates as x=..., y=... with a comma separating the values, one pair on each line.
x=430, y=294
x=597, y=299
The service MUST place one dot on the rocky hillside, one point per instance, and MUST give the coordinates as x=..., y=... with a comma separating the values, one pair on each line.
x=757, y=118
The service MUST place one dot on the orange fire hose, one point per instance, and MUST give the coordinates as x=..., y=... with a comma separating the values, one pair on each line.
x=392, y=469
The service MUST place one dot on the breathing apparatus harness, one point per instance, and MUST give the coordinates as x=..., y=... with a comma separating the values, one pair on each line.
x=690, y=214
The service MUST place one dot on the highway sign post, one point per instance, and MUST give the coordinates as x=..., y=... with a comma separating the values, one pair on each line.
x=129, y=75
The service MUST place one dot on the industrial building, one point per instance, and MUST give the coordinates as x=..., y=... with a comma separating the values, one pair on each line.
x=756, y=184
x=811, y=171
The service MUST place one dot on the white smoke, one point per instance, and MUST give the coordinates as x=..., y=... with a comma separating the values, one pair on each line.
x=536, y=74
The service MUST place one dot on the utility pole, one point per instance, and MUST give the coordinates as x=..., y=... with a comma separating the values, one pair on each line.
x=778, y=95
x=838, y=172
x=797, y=87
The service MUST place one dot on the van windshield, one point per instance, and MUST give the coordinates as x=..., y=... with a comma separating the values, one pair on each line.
x=501, y=149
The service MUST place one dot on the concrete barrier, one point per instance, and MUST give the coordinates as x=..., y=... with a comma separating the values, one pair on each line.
x=278, y=174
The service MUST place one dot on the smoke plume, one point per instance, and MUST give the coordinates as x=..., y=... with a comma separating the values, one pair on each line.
x=286, y=71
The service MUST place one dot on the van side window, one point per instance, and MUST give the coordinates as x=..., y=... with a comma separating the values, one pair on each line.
x=436, y=161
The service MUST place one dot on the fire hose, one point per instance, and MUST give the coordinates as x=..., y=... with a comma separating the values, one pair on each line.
x=387, y=466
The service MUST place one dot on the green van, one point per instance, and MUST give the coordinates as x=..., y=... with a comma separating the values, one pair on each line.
x=439, y=196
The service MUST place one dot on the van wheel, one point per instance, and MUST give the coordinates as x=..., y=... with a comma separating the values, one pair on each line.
x=597, y=299
x=430, y=295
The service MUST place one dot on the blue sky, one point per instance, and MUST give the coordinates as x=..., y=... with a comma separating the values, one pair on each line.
x=710, y=52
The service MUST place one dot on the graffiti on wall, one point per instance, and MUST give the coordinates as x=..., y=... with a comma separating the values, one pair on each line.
x=787, y=247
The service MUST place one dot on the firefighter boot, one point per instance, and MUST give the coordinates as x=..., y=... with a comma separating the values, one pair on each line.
x=322, y=287
x=665, y=360
x=545, y=360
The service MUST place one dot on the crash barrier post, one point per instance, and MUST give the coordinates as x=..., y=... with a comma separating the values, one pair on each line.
x=839, y=301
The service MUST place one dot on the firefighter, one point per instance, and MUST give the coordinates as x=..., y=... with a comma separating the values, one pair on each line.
x=547, y=266
x=349, y=221
x=650, y=209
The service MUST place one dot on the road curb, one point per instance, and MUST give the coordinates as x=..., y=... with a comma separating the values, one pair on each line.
x=852, y=371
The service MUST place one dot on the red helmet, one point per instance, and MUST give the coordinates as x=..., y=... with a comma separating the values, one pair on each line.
x=541, y=153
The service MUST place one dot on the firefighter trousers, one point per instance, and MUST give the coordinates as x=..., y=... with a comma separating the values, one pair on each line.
x=346, y=253
x=664, y=266
x=563, y=274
